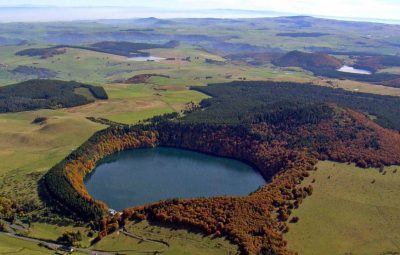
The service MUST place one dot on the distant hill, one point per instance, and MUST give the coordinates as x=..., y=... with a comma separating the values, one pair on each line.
x=41, y=52
x=47, y=94
x=121, y=48
x=152, y=21
x=308, y=61
x=129, y=46
x=127, y=49
x=11, y=41
x=322, y=64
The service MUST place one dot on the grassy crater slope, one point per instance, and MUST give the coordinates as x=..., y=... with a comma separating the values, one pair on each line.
x=47, y=94
x=27, y=150
x=351, y=211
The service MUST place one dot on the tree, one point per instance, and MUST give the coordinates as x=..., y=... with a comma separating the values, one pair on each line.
x=6, y=208
x=71, y=238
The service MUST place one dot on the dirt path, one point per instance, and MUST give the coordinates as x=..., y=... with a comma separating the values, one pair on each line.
x=56, y=246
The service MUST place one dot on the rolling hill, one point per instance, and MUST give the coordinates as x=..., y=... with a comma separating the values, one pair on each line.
x=307, y=60
x=47, y=94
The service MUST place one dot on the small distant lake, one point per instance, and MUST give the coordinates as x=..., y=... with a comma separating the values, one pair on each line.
x=350, y=69
x=141, y=176
x=148, y=58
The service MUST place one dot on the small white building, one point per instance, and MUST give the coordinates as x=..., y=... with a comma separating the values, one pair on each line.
x=112, y=212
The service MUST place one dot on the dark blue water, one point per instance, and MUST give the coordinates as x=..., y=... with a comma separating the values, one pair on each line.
x=143, y=176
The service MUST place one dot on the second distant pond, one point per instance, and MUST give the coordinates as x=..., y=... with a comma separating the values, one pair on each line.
x=350, y=69
x=145, y=59
x=143, y=176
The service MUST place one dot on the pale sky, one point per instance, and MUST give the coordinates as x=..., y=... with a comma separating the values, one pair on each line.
x=377, y=9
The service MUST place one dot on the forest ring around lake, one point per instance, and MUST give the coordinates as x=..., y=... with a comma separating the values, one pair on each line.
x=64, y=183
x=284, y=153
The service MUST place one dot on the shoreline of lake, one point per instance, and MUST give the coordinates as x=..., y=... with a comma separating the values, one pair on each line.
x=142, y=176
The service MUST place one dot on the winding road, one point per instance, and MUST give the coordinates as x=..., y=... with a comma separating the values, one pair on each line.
x=56, y=246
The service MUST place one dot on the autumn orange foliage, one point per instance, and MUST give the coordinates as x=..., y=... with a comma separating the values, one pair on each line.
x=283, y=154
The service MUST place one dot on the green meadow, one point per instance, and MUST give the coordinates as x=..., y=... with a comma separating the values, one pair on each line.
x=351, y=211
x=179, y=241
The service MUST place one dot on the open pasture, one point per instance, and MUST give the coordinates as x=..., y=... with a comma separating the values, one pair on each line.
x=351, y=211
x=180, y=241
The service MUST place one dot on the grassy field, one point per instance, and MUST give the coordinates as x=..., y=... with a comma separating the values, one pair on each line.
x=395, y=70
x=358, y=86
x=150, y=239
x=28, y=150
x=11, y=245
x=351, y=211
x=104, y=69
x=99, y=68
x=129, y=103
x=180, y=241
x=53, y=232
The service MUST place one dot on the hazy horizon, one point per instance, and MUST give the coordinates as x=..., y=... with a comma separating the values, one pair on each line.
x=385, y=11
x=47, y=14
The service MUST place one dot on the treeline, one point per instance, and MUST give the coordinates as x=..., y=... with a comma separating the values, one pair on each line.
x=97, y=91
x=42, y=52
x=142, y=78
x=42, y=94
x=38, y=72
x=129, y=46
x=303, y=34
x=233, y=103
x=127, y=49
x=213, y=62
